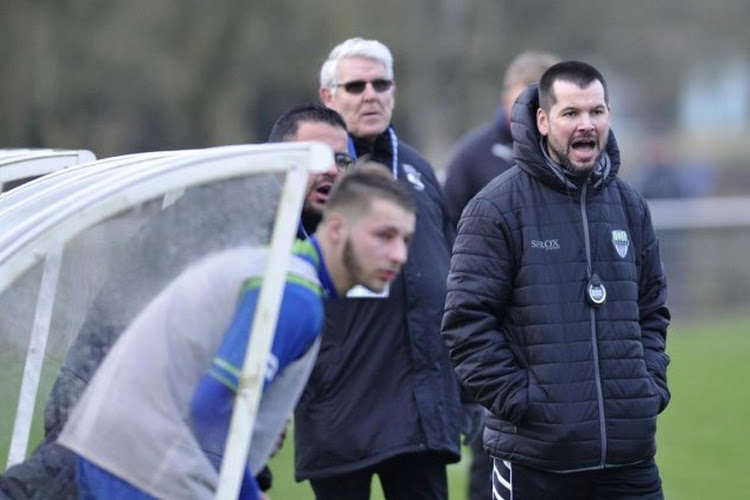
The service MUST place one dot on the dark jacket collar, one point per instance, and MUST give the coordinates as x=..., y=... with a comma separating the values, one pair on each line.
x=379, y=150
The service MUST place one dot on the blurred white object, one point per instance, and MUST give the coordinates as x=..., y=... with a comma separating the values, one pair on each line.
x=18, y=164
x=42, y=218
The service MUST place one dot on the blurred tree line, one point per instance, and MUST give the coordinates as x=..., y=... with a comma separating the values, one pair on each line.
x=120, y=77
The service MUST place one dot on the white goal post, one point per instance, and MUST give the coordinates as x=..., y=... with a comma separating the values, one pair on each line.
x=18, y=164
x=700, y=213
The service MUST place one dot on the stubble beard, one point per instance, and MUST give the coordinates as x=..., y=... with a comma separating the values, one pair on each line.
x=353, y=266
x=563, y=158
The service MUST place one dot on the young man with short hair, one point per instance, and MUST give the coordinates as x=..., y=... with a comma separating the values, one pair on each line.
x=153, y=421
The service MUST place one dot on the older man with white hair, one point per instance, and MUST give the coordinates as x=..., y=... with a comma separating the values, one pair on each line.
x=383, y=398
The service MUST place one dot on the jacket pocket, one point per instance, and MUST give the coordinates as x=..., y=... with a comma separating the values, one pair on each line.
x=500, y=425
x=655, y=391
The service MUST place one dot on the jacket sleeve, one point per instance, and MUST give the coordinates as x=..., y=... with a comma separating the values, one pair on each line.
x=213, y=399
x=479, y=290
x=434, y=190
x=654, y=314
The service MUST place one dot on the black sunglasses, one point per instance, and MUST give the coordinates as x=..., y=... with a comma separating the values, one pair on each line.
x=358, y=86
x=343, y=161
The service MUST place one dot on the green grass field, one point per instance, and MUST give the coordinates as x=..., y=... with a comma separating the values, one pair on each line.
x=703, y=448
x=702, y=436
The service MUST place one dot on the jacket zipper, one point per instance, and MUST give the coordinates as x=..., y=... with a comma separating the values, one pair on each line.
x=594, y=343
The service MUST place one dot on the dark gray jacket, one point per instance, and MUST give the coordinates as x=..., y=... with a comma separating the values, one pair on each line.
x=570, y=386
x=383, y=384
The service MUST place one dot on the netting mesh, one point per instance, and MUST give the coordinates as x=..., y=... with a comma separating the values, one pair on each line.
x=106, y=276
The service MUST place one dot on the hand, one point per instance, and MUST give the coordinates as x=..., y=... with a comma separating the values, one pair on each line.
x=281, y=438
x=472, y=421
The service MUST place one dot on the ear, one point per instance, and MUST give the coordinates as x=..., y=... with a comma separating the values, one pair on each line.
x=336, y=227
x=542, y=121
x=326, y=97
x=509, y=96
x=507, y=103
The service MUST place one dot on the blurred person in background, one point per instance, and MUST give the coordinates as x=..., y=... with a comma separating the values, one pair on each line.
x=480, y=156
x=383, y=398
x=487, y=151
x=662, y=176
x=556, y=315
x=49, y=472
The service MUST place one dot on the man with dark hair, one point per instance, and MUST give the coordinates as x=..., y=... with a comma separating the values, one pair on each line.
x=286, y=127
x=314, y=122
x=556, y=315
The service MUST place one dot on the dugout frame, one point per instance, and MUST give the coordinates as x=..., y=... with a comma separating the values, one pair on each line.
x=18, y=164
x=41, y=216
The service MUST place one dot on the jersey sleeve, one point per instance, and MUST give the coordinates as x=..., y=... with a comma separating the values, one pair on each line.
x=299, y=322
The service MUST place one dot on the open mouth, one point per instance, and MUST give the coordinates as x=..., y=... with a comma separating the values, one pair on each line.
x=584, y=146
x=321, y=192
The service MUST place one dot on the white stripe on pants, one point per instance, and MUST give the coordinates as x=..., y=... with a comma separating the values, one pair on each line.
x=502, y=480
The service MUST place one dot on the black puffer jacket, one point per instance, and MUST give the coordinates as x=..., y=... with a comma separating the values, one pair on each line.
x=570, y=386
x=383, y=384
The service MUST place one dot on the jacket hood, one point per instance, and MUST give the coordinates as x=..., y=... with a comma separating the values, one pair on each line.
x=527, y=152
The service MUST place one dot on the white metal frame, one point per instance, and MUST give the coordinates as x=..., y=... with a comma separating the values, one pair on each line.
x=18, y=164
x=262, y=332
x=700, y=213
x=39, y=217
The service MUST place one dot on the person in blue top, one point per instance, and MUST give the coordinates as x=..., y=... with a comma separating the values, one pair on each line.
x=164, y=394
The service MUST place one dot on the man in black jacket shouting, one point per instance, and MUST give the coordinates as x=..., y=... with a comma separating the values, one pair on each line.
x=555, y=315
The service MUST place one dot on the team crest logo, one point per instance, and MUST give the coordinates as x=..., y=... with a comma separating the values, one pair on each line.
x=414, y=177
x=620, y=241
